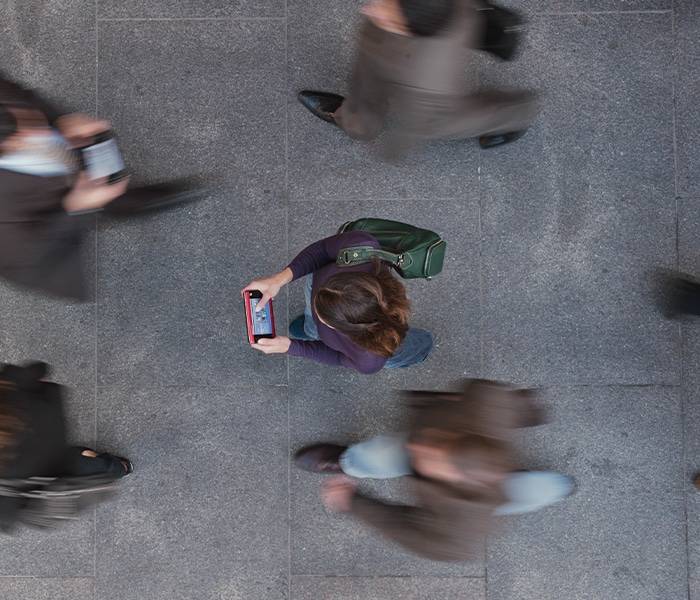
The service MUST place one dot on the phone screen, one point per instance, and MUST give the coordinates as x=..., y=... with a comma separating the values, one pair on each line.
x=262, y=323
x=103, y=159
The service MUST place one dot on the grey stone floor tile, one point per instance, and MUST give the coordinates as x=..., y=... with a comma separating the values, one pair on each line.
x=530, y=7
x=169, y=305
x=323, y=161
x=573, y=217
x=687, y=90
x=336, y=545
x=30, y=588
x=207, y=504
x=51, y=45
x=63, y=552
x=622, y=534
x=61, y=334
x=691, y=391
x=201, y=113
x=689, y=262
x=448, y=305
x=183, y=9
x=387, y=588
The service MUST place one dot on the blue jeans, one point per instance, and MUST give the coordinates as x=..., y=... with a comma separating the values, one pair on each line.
x=414, y=349
x=386, y=457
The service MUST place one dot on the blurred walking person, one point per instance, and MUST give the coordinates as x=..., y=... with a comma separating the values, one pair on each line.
x=43, y=479
x=45, y=192
x=410, y=65
x=461, y=464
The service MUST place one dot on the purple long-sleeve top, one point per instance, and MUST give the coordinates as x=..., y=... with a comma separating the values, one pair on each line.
x=334, y=347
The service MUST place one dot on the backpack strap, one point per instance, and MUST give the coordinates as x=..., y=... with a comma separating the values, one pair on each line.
x=357, y=255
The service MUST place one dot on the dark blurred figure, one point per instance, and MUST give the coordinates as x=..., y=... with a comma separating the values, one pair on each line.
x=33, y=444
x=43, y=193
x=460, y=462
x=412, y=56
x=680, y=295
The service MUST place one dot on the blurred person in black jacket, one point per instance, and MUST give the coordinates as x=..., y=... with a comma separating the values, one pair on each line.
x=33, y=439
x=680, y=297
x=44, y=193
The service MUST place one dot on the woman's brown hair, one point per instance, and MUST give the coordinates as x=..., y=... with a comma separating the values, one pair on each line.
x=370, y=308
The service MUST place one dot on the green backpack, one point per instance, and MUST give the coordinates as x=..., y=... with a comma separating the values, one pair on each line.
x=413, y=252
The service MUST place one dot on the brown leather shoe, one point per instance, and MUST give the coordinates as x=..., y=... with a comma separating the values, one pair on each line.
x=320, y=458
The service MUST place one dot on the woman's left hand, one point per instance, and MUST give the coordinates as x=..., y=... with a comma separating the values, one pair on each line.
x=275, y=345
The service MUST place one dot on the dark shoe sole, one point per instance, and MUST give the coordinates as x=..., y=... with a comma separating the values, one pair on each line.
x=487, y=142
x=325, y=466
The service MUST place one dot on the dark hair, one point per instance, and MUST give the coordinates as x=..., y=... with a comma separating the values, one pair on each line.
x=370, y=308
x=8, y=123
x=427, y=17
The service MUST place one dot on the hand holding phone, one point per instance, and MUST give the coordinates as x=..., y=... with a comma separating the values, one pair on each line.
x=269, y=287
x=260, y=323
x=102, y=158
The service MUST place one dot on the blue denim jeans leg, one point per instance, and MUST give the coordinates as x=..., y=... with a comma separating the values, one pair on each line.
x=414, y=349
x=386, y=456
x=310, y=329
x=528, y=491
x=381, y=457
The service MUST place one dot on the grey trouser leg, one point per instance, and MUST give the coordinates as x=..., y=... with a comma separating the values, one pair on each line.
x=426, y=116
x=362, y=113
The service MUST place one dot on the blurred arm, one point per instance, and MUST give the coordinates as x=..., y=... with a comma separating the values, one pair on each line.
x=416, y=529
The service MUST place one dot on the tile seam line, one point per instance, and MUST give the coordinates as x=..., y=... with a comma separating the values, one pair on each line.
x=661, y=11
x=130, y=19
x=287, y=358
x=321, y=576
x=681, y=327
x=96, y=310
x=86, y=577
x=228, y=387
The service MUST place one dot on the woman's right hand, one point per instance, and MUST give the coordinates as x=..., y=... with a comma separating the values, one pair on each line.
x=269, y=286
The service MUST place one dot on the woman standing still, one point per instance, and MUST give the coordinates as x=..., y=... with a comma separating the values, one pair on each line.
x=355, y=316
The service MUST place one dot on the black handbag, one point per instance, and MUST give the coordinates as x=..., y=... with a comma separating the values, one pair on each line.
x=503, y=29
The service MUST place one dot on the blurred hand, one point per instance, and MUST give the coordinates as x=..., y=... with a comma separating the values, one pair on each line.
x=91, y=194
x=275, y=345
x=79, y=129
x=269, y=286
x=337, y=493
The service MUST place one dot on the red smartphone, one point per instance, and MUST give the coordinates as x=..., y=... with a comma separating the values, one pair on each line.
x=260, y=324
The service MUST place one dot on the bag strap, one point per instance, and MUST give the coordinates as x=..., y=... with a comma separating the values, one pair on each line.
x=357, y=255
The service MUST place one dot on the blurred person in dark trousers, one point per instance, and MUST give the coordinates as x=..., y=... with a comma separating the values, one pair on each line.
x=679, y=298
x=411, y=66
x=458, y=456
x=44, y=193
x=33, y=441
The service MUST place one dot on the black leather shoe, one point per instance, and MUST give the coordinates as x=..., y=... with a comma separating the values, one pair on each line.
x=322, y=104
x=491, y=141
x=320, y=458
x=155, y=198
